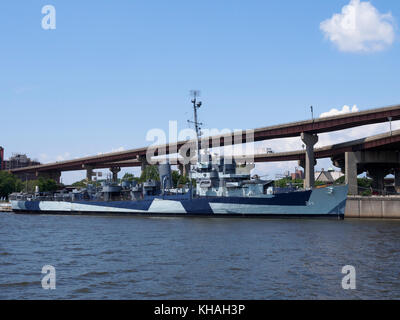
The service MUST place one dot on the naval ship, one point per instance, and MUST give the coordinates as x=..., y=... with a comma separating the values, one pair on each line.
x=219, y=191
x=220, y=188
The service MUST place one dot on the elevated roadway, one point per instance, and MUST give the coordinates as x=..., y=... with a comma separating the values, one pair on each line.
x=389, y=140
x=306, y=129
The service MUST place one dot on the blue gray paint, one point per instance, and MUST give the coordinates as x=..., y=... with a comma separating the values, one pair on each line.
x=318, y=202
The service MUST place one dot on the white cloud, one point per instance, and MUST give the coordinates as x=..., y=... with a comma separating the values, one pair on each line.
x=336, y=112
x=120, y=149
x=360, y=28
x=63, y=157
x=43, y=157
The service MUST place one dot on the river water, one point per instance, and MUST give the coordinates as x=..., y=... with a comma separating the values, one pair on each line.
x=197, y=258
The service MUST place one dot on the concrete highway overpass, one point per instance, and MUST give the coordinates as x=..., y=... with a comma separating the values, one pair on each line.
x=308, y=130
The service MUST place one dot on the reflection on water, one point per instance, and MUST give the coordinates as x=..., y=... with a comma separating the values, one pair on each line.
x=188, y=258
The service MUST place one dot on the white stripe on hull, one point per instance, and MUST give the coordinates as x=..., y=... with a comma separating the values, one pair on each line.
x=166, y=206
x=61, y=206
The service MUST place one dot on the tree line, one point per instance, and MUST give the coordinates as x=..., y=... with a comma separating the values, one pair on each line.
x=10, y=183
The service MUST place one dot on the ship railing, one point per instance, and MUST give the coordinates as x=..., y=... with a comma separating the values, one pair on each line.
x=175, y=192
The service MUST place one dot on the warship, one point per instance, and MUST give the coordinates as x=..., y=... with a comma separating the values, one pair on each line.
x=216, y=188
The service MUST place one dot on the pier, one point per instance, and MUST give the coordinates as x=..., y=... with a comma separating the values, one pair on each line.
x=5, y=207
x=374, y=207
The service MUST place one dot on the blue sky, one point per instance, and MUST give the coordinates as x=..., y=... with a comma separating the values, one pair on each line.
x=112, y=70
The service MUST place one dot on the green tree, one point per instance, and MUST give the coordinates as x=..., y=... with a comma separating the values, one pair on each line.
x=80, y=184
x=366, y=193
x=179, y=179
x=340, y=180
x=9, y=184
x=29, y=186
x=283, y=183
x=150, y=172
x=362, y=182
x=84, y=182
x=129, y=177
x=47, y=185
x=364, y=185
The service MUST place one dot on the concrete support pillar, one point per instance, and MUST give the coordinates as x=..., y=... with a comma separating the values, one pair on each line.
x=143, y=162
x=186, y=170
x=397, y=180
x=378, y=176
x=351, y=172
x=56, y=176
x=302, y=163
x=309, y=140
x=115, y=171
x=89, y=173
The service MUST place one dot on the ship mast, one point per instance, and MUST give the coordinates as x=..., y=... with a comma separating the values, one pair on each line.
x=196, y=105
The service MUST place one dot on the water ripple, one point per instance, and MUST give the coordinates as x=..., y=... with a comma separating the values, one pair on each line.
x=139, y=258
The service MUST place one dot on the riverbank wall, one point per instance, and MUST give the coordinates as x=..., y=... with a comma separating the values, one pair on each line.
x=374, y=207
